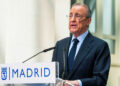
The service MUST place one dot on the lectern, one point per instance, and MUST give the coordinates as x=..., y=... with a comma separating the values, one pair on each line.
x=38, y=74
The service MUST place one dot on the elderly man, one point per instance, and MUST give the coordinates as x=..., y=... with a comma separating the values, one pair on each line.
x=84, y=60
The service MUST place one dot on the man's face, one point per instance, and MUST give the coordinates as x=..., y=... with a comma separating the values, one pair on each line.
x=78, y=20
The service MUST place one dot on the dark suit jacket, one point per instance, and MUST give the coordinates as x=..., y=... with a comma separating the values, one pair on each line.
x=92, y=62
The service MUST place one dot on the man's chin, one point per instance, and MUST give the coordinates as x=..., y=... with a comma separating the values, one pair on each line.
x=73, y=32
x=76, y=34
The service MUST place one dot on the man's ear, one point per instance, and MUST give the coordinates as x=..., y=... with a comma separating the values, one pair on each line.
x=89, y=21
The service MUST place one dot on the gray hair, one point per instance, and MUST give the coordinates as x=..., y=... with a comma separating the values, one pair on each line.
x=87, y=8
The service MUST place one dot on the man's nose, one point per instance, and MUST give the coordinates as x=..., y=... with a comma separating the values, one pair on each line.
x=73, y=18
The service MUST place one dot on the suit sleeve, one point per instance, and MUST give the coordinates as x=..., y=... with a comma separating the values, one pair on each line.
x=101, y=67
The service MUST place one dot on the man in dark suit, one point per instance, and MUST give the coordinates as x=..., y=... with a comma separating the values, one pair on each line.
x=84, y=60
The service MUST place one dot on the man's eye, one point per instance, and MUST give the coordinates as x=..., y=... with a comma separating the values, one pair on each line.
x=70, y=15
x=78, y=16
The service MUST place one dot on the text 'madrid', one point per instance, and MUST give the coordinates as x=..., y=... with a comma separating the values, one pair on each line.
x=27, y=73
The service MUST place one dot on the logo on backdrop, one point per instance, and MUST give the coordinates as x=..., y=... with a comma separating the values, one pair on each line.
x=27, y=73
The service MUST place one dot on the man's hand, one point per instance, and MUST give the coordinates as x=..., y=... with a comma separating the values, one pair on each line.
x=71, y=83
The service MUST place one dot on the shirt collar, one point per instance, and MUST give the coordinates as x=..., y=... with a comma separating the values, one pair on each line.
x=81, y=37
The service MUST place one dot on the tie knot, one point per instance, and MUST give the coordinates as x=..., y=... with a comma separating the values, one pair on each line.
x=75, y=41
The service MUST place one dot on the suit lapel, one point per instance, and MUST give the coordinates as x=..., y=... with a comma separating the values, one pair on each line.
x=66, y=53
x=83, y=51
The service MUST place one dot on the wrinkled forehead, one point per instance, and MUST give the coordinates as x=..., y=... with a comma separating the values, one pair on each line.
x=78, y=9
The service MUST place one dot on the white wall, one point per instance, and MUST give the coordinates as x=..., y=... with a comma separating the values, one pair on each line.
x=2, y=33
x=20, y=29
x=61, y=21
x=33, y=25
x=29, y=26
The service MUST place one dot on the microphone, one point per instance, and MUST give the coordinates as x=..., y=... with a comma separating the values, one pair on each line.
x=48, y=49
x=45, y=50
x=64, y=62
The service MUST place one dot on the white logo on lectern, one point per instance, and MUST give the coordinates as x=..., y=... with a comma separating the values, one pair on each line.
x=4, y=73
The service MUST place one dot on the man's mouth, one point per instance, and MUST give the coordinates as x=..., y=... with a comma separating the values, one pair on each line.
x=73, y=25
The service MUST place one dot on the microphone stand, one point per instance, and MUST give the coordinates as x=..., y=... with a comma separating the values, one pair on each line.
x=64, y=63
x=38, y=54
